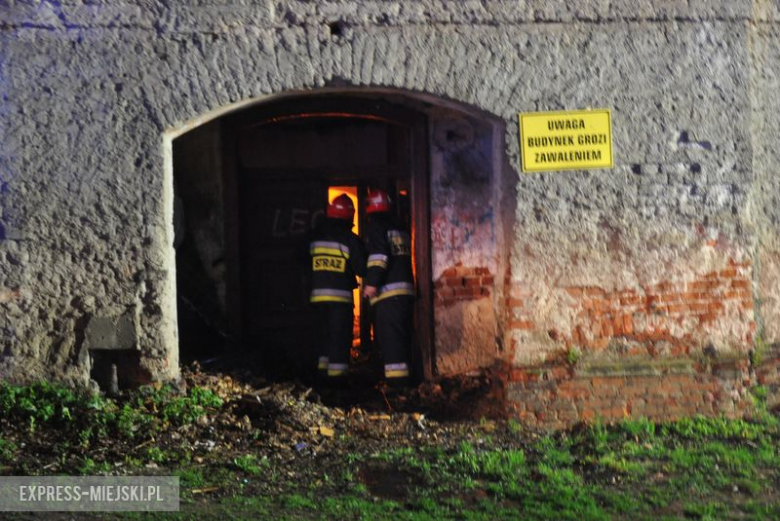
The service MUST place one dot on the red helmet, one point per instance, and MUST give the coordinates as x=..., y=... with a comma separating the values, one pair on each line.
x=341, y=207
x=377, y=201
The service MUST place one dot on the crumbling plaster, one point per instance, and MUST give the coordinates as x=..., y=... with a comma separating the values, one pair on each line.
x=94, y=92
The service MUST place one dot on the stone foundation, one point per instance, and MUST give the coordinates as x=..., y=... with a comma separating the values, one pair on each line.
x=560, y=395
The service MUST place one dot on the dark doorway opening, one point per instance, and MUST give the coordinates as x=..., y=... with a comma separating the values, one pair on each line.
x=282, y=162
x=199, y=240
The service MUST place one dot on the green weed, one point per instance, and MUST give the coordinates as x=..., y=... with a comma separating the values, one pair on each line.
x=699, y=427
x=7, y=449
x=502, y=464
x=622, y=502
x=250, y=464
x=39, y=402
x=748, y=486
x=759, y=350
x=132, y=462
x=640, y=429
x=156, y=455
x=573, y=355
x=353, y=457
x=553, y=455
x=190, y=478
x=759, y=393
x=761, y=414
x=89, y=466
x=89, y=417
x=622, y=465
x=177, y=410
x=353, y=507
x=705, y=511
x=562, y=494
x=297, y=501
x=599, y=435
x=248, y=507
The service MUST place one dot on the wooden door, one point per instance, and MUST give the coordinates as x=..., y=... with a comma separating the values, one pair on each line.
x=278, y=161
x=277, y=217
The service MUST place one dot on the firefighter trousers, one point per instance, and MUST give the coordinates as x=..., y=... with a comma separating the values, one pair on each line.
x=336, y=326
x=393, y=329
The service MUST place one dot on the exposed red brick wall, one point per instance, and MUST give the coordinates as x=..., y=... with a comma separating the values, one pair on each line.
x=462, y=283
x=768, y=374
x=517, y=305
x=646, y=314
x=675, y=314
x=518, y=309
x=554, y=396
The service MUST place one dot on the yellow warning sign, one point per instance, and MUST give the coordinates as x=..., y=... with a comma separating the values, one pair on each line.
x=566, y=140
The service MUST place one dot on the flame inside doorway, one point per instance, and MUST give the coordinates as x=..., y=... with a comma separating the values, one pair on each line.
x=352, y=193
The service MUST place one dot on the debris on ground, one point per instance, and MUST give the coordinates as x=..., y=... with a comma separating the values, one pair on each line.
x=255, y=416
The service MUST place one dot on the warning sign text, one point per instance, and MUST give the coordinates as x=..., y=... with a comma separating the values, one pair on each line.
x=566, y=140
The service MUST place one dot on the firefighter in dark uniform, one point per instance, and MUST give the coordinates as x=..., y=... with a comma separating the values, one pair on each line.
x=337, y=256
x=390, y=286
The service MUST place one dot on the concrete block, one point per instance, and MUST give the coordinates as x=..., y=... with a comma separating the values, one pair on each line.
x=111, y=333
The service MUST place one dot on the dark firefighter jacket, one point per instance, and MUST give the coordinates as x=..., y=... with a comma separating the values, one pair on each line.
x=337, y=255
x=389, y=258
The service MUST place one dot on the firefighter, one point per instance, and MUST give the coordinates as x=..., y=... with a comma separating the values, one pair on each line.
x=390, y=286
x=337, y=256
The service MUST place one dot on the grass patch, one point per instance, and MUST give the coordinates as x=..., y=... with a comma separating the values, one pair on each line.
x=190, y=478
x=701, y=428
x=7, y=449
x=86, y=417
x=299, y=502
x=90, y=467
x=634, y=468
x=705, y=511
x=250, y=464
x=80, y=425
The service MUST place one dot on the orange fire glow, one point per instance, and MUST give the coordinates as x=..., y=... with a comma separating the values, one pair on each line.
x=316, y=115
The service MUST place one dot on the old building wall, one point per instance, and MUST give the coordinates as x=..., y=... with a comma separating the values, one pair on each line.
x=764, y=196
x=671, y=254
x=668, y=217
x=465, y=237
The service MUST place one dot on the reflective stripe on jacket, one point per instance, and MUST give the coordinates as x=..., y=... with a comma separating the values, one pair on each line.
x=337, y=256
x=390, y=258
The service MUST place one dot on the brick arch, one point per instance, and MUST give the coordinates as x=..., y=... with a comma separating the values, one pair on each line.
x=237, y=71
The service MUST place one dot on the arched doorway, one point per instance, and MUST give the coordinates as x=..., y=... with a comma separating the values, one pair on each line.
x=280, y=163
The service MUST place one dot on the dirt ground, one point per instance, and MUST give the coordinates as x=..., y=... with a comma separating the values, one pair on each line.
x=305, y=431
x=285, y=449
